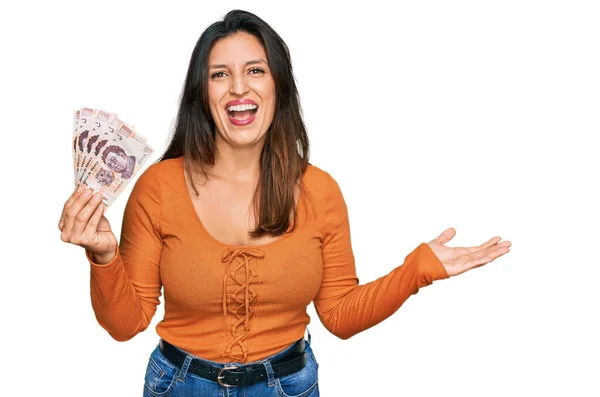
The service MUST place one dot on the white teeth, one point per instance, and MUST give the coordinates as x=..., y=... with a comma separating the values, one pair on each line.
x=241, y=108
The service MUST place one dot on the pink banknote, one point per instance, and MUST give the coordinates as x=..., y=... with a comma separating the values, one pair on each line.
x=107, y=152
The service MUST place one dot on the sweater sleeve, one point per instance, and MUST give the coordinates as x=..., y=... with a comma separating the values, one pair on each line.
x=346, y=308
x=125, y=292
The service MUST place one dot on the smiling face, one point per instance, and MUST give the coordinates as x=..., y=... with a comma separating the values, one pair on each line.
x=241, y=90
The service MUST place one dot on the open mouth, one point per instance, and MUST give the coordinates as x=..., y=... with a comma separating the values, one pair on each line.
x=242, y=112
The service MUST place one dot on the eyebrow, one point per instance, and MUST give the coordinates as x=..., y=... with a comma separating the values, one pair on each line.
x=252, y=62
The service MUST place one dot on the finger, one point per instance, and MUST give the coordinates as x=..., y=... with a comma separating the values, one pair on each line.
x=490, y=242
x=73, y=210
x=83, y=217
x=446, y=236
x=488, y=256
x=68, y=203
x=92, y=226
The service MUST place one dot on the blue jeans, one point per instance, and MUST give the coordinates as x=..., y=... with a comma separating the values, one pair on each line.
x=163, y=379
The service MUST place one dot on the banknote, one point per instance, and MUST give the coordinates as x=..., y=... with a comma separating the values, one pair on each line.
x=108, y=152
x=75, y=122
x=81, y=133
x=100, y=121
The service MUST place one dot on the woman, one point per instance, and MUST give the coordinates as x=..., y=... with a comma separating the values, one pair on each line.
x=235, y=300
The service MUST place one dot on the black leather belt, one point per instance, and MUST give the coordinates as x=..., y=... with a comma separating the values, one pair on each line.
x=242, y=375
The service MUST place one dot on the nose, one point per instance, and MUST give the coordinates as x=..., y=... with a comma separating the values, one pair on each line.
x=239, y=85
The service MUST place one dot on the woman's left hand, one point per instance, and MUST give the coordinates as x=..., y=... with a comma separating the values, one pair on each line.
x=457, y=260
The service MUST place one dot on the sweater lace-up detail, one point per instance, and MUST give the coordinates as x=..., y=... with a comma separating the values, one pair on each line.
x=243, y=280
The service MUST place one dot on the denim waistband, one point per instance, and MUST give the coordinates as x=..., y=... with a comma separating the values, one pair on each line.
x=239, y=364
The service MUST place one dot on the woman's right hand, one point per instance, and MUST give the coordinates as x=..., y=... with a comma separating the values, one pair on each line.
x=82, y=223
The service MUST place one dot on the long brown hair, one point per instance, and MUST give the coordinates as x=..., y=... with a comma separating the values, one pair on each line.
x=284, y=156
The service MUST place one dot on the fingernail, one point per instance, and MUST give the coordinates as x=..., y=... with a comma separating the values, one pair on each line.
x=97, y=197
x=87, y=193
x=79, y=188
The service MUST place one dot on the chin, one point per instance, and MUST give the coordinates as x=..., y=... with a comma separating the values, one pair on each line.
x=245, y=140
x=244, y=136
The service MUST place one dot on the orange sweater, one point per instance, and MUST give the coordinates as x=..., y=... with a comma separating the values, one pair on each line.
x=242, y=303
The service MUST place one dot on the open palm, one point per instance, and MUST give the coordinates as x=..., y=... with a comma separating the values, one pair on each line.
x=457, y=260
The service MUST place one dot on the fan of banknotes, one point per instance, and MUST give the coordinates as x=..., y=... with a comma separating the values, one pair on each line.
x=107, y=152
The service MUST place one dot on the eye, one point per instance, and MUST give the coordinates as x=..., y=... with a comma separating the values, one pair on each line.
x=216, y=75
x=257, y=70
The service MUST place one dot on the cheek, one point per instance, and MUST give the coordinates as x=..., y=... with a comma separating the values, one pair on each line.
x=270, y=90
x=214, y=96
x=266, y=91
x=216, y=92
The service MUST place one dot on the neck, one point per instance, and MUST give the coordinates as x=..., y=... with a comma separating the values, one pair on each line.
x=239, y=164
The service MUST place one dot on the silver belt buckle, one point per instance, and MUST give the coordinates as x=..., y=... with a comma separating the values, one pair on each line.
x=219, y=376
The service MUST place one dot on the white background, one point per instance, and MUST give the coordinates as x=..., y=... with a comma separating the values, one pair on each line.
x=479, y=115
